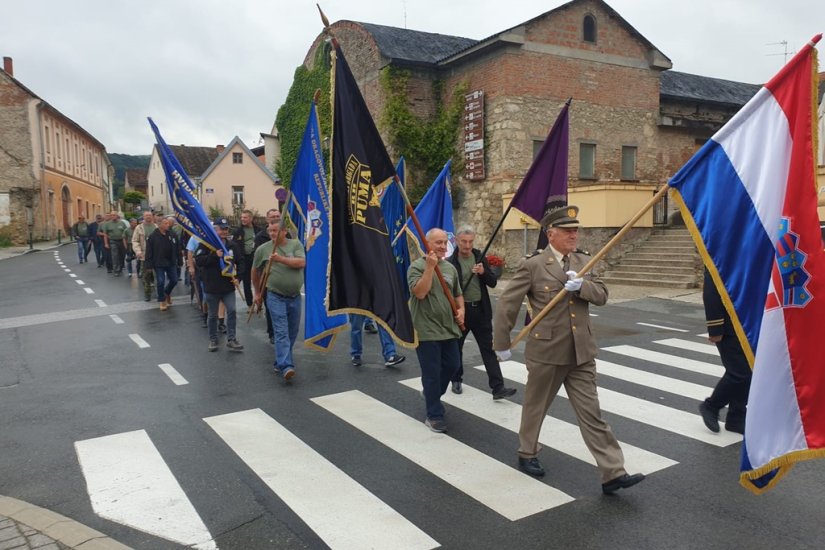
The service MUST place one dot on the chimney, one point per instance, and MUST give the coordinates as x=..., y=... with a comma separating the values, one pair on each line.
x=220, y=148
x=8, y=66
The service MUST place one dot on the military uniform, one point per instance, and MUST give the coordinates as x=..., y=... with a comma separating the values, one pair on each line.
x=560, y=350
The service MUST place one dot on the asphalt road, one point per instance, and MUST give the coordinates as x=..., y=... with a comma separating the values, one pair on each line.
x=92, y=428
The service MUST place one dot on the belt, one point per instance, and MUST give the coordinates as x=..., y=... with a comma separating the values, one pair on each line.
x=473, y=304
x=284, y=296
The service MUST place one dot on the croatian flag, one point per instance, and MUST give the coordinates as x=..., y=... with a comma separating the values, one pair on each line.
x=749, y=197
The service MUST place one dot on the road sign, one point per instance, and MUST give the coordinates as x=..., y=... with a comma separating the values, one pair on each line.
x=474, y=136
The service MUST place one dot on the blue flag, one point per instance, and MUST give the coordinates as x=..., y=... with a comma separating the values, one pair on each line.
x=309, y=211
x=394, y=208
x=436, y=209
x=188, y=211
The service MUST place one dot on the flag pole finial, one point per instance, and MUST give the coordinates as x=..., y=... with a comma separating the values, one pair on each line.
x=323, y=17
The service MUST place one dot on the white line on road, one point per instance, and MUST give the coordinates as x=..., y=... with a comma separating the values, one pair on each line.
x=67, y=270
x=501, y=488
x=78, y=281
x=100, y=303
x=666, y=359
x=652, y=380
x=342, y=512
x=129, y=482
x=72, y=275
x=89, y=290
x=116, y=319
x=689, y=345
x=662, y=327
x=173, y=374
x=653, y=414
x=139, y=341
x=555, y=434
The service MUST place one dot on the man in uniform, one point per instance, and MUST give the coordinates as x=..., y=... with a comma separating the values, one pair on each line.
x=139, y=236
x=561, y=348
x=245, y=237
x=114, y=240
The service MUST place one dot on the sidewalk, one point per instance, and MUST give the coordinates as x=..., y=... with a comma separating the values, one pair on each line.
x=24, y=526
x=13, y=251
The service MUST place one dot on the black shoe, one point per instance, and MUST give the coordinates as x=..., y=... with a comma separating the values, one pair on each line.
x=710, y=416
x=621, y=482
x=735, y=424
x=394, y=360
x=356, y=361
x=531, y=466
x=503, y=392
x=369, y=328
x=272, y=340
x=234, y=345
x=436, y=425
x=221, y=327
x=147, y=298
x=213, y=345
x=457, y=387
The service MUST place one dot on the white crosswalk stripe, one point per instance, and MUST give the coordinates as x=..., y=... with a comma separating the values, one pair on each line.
x=556, y=434
x=129, y=482
x=342, y=512
x=653, y=414
x=666, y=359
x=501, y=488
x=651, y=380
x=689, y=345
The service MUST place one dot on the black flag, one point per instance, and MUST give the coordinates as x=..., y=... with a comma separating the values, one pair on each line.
x=363, y=277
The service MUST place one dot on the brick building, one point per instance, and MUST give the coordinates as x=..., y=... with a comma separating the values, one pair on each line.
x=51, y=169
x=633, y=121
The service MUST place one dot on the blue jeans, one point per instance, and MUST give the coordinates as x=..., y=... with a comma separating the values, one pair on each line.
x=98, y=246
x=167, y=278
x=81, y=248
x=356, y=324
x=212, y=301
x=439, y=359
x=285, y=315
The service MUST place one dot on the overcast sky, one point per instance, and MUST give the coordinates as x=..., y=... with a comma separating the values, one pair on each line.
x=208, y=70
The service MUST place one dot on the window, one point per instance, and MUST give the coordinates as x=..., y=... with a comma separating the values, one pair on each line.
x=587, y=160
x=628, y=163
x=48, y=141
x=537, y=145
x=59, y=146
x=237, y=158
x=237, y=195
x=589, y=29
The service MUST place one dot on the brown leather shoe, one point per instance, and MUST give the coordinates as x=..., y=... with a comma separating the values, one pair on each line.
x=164, y=306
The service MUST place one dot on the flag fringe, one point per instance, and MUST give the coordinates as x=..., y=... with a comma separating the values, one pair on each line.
x=814, y=112
x=333, y=332
x=374, y=317
x=690, y=223
x=783, y=465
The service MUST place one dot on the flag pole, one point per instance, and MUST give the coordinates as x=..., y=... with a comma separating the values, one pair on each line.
x=589, y=265
x=509, y=207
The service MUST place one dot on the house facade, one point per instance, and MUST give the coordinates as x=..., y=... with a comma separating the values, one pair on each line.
x=236, y=180
x=194, y=160
x=51, y=169
x=633, y=120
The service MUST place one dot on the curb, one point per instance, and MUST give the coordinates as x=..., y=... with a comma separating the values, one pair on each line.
x=60, y=528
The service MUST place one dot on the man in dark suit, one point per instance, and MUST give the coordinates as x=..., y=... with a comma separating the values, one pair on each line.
x=561, y=348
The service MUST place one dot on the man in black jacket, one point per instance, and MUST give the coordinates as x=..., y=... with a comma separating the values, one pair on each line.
x=733, y=388
x=245, y=237
x=475, y=276
x=219, y=288
x=162, y=255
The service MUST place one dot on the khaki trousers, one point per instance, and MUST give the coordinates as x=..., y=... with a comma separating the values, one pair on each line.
x=543, y=383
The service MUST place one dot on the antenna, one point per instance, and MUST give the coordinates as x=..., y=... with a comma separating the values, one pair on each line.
x=404, y=4
x=786, y=53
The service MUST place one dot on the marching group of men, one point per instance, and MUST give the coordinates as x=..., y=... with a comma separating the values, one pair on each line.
x=560, y=350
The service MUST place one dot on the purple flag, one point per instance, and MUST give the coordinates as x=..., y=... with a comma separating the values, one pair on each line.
x=546, y=180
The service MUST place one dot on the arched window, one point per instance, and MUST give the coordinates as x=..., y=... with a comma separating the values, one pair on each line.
x=589, y=29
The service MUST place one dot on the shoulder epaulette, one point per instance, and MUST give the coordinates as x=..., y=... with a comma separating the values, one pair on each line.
x=580, y=251
x=534, y=253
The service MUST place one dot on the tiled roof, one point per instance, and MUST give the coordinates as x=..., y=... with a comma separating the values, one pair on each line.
x=415, y=46
x=195, y=160
x=692, y=87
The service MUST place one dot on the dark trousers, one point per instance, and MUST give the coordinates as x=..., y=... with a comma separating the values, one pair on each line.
x=247, y=278
x=268, y=316
x=482, y=328
x=116, y=256
x=734, y=386
x=439, y=360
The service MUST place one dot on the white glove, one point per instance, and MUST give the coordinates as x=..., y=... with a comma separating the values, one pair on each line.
x=574, y=283
x=503, y=355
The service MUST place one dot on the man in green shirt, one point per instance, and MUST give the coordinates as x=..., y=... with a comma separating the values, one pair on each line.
x=114, y=240
x=437, y=327
x=284, y=261
x=245, y=237
x=80, y=231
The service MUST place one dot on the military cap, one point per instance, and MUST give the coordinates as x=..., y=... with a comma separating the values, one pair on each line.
x=561, y=216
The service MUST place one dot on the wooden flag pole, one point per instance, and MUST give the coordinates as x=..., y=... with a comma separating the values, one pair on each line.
x=589, y=265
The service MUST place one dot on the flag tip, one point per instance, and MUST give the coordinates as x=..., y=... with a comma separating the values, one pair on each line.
x=815, y=39
x=324, y=19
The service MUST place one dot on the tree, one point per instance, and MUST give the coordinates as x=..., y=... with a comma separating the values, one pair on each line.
x=133, y=197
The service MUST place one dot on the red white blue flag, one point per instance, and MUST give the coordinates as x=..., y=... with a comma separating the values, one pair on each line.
x=749, y=197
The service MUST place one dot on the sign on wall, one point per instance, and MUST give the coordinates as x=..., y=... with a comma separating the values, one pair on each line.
x=474, y=136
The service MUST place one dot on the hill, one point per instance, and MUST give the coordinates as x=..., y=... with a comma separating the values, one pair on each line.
x=123, y=162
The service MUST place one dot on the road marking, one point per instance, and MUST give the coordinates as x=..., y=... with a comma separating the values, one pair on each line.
x=78, y=281
x=116, y=319
x=703, y=335
x=72, y=275
x=662, y=327
x=689, y=345
x=173, y=374
x=342, y=512
x=666, y=359
x=89, y=290
x=139, y=341
x=655, y=381
x=100, y=303
x=72, y=314
x=556, y=434
x=594, y=314
x=129, y=482
x=653, y=414
x=501, y=488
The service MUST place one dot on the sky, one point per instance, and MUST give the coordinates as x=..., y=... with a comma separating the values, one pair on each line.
x=208, y=70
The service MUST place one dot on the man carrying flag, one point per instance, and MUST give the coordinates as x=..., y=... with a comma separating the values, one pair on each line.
x=755, y=178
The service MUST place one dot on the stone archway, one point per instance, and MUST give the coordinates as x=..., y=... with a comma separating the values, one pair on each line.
x=66, y=203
